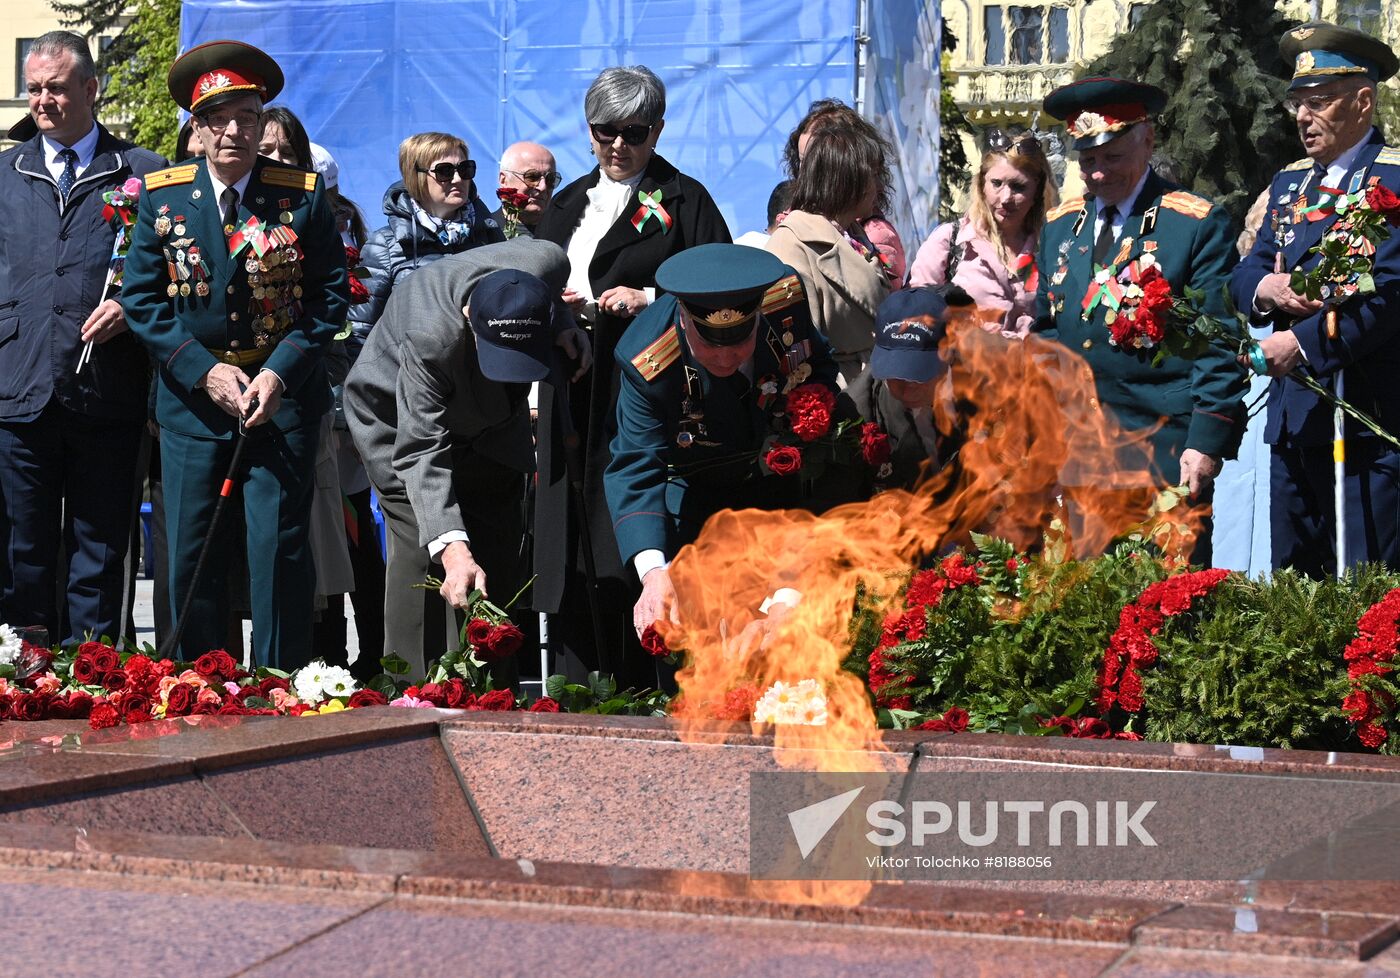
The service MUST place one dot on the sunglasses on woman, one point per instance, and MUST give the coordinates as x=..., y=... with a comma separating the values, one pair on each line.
x=631, y=135
x=1025, y=144
x=443, y=172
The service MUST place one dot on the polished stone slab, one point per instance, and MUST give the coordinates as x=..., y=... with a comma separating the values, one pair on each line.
x=402, y=794
x=556, y=791
x=1298, y=933
x=183, y=806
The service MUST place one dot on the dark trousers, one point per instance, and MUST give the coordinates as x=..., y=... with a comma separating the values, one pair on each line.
x=417, y=624
x=1302, y=515
x=276, y=475
x=67, y=486
x=367, y=562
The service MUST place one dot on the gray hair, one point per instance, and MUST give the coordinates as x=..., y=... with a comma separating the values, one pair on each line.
x=620, y=92
x=55, y=44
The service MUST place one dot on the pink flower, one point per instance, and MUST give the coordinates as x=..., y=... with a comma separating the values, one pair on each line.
x=232, y=689
x=48, y=683
x=283, y=700
x=132, y=187
x=411, y=701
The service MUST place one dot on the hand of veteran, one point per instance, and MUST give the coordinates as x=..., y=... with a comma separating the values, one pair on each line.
x=658, y=599
x=1282, y=354
x=461, y=575
x=105, y=322
x=1197, y=470
x=266, y=388
x=574, y=343
x=224, y=383
x=1274, y=293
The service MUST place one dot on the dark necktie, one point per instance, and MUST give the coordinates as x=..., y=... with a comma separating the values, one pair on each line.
x=230, y=201
x=1105, y=239
x=69, y=176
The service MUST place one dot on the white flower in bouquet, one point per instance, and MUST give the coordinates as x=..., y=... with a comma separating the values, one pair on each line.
x=10, y=645
x=309, y=680
x=337, y=681
x=799, y=703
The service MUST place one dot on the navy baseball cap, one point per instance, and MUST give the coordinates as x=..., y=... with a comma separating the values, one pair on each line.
x=722, y=287
x=512, y=315
x=908, y=328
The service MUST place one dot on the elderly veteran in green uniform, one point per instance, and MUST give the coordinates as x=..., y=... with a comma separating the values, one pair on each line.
x=1129, y=220
x=236, y=283
x=699, y=369
x=1353, y=347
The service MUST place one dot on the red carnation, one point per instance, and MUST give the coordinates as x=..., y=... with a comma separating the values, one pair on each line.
x=544, y=705
x=504, y=641
x=874, y=445
x=738, y=704
x=784, y=459
x=1382, y=201
x=497, y=700
x=478, y=632
x=809, y=410
x=103, y=715
x=367, y=697
x=653, y=642
x=180, y=700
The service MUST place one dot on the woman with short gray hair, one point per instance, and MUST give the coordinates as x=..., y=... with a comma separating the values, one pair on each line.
x=618, y=224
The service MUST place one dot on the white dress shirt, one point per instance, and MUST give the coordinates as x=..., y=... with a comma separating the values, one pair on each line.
x=1123, y=206
x=86, y=148
x=607, y=201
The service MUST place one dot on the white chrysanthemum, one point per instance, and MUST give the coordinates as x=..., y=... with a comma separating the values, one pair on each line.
x=308, y=681
x=800, y=703
x=10, y=645
x=337, y=681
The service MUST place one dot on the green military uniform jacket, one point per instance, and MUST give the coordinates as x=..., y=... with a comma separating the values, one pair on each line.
x=194, y=305
x=659, y=492
x=1198, y=403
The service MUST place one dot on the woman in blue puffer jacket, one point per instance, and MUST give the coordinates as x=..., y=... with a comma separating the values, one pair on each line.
x=433, y=211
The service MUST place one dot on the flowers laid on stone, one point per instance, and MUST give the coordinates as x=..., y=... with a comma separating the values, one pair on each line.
x=802, y=702
x=1370, y=658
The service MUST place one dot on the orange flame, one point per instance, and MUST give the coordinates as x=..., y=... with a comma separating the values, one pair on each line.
x=1038, y=450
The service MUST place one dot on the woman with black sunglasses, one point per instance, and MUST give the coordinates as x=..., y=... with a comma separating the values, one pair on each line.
x=618, y=224
x=433, y=211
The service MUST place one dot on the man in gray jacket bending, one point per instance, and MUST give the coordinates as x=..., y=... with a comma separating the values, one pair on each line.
x=437, y=405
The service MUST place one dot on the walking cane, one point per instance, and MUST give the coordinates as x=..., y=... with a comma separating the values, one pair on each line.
x=173, y=642
x=573, y=468
x=1339, y=459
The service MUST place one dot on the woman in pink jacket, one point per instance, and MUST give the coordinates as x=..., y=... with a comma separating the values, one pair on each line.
x=994, y=256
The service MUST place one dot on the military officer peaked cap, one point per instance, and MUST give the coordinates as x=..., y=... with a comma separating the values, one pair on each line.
x=1321, y=52
x=722, y=287
x=1098, y=110
x=218, y=71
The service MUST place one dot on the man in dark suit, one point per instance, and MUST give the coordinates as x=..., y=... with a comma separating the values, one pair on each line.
x=1333, y=98
x=236, y=284
x=439, y=413
x=69, y=438
x=618, y=223
x=700, y=371
x=1130, y=220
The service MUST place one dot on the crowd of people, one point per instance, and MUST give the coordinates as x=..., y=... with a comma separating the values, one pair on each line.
x=550, y=393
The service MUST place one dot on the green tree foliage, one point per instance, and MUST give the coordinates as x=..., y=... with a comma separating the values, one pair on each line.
x=953, y=174
x=134, y=64
x=1224, y=129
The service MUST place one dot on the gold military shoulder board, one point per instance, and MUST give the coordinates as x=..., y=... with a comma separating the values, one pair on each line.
x=659, y=355
x=1304, y=164
x=1068, y=207
x=1186, y=203
x=1389, y=156
x=171, y=176
x=285, y=176
x=787, y=291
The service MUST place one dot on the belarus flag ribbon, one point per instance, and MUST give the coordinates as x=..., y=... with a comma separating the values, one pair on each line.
x=651, y=207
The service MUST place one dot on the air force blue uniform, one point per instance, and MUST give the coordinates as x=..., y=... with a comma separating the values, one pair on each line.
x=1366, y=354
x=659, y=492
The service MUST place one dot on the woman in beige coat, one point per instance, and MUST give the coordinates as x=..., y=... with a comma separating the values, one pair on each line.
x=845, y=280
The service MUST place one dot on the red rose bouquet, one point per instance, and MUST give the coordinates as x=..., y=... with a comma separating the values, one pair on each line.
x=512, y=204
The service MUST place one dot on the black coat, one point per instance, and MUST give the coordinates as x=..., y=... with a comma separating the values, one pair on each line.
x=625, y=257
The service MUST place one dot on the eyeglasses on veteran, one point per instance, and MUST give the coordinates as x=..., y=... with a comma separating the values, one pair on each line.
x=1315, y=103
x=535, y=177
x=219, y=121
x=443, y=172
